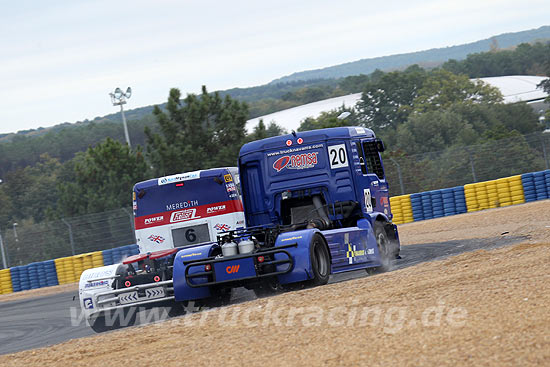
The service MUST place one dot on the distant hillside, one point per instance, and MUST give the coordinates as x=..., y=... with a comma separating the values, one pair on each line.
x=272, y=97
x=428, y=58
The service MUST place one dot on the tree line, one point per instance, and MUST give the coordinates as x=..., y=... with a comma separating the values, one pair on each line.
x=75, y=171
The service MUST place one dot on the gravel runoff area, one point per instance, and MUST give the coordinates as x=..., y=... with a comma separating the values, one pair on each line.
x=485, y=308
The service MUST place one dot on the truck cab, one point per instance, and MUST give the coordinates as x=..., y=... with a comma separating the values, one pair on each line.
x=327, y=178
x=316, y=203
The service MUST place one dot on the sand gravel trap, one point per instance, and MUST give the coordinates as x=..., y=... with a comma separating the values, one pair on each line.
x=488, y=308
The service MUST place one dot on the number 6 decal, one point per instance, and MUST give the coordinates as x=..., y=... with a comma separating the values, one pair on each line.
x=338, y=156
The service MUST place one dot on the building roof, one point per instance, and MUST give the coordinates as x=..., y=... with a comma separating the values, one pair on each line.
x=514, y=88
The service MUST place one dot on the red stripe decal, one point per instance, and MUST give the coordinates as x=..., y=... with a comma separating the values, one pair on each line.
x=184, y=215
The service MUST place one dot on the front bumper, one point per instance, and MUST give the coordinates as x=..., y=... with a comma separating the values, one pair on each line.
x=239, y=268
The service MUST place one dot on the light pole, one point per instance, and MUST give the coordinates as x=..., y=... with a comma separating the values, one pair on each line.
x=4, y=262
x=15, y=232
x=118, y=98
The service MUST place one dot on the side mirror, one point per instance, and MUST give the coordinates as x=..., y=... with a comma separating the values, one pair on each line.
x=380, y=145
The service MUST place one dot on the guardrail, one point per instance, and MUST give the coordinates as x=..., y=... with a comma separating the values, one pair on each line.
x=405, y=208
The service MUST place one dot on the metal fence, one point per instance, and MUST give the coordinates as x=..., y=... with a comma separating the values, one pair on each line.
x=406, y=174
x=26, y=243
x=467, y=164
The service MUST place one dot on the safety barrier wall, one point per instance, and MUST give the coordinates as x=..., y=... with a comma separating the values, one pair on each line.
x=405, y=208
x=63, y=270
x=401, y=209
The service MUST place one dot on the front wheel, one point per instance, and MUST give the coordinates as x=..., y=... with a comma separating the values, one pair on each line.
x=112, y=320
x=384, y=250
x=320, y=260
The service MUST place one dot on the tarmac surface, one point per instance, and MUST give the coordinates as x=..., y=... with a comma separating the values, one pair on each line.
x=47, y=320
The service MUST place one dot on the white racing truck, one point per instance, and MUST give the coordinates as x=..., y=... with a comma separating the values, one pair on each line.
x=171, y=213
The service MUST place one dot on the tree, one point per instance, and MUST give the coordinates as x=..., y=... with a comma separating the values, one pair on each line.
x=387, y=99
x=196, y=133
x=442, y=89
x=329, y=119
x=261, y=132
x=103, y=179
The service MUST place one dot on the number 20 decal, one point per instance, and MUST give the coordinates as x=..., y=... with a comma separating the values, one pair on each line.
x=338, y=156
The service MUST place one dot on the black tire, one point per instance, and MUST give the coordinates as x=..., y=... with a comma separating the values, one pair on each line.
x=320, y=260
x=384, y=248
x=220, y=298
x=267, y=288
x=113, y=320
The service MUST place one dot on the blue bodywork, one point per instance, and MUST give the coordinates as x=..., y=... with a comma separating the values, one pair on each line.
x=328, y=182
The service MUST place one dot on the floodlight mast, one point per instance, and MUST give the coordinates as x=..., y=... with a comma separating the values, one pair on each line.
x=118, y=98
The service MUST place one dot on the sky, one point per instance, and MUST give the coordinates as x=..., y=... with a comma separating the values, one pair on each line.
x=60, y=59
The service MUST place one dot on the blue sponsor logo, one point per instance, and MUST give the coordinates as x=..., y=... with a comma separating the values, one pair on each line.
x=88, y=303
x=99, y=283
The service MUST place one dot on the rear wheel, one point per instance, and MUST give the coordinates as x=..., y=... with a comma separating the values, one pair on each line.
x=267, y=288
x=320, y=260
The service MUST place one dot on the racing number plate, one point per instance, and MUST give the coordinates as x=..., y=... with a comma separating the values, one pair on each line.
x=190, y=235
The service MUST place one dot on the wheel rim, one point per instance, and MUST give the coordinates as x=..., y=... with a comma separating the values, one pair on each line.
x=320, y=259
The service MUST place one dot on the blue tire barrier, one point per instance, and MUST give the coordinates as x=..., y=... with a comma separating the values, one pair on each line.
x=107, y=257
x=15, y=279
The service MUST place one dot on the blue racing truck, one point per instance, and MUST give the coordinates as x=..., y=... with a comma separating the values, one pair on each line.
x=315, y=203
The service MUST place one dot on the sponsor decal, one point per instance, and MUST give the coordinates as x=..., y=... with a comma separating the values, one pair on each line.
x=232, y=269
x=384, y=201
x=231, y=187
x=240, y=221
x=215, y=209
x=182, y=205
x=99, y=274
x=352, y=251
x=153, y=220
x=183, y=215
x=133, y=195
x=134, y=205
x=228, y=178
x=98, y=283
x=155, y=238
x=294, y=150
x=178, y=178
x=281, y=163
x=367, y=200
x=88, y=303
x=297, y=161
x=222, y=227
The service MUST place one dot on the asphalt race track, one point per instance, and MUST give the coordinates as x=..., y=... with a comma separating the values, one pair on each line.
x=39, y=322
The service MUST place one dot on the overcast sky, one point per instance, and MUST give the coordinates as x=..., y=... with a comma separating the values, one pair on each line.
x=59, y=59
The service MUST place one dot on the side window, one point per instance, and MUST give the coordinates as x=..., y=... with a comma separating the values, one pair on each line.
x=372, y=159
x=361, y=159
